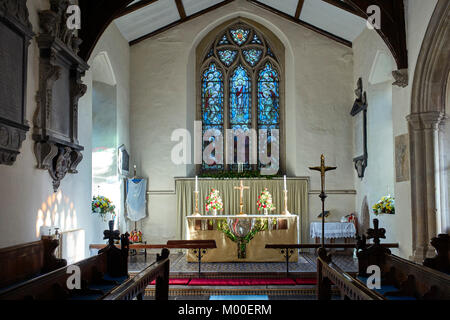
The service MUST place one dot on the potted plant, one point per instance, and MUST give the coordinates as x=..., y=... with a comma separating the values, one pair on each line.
x=214, y=202
x=103, y=206
x=265, y=202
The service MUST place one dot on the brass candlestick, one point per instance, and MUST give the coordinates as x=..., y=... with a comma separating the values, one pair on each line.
x=196, y=212
x=285, y=211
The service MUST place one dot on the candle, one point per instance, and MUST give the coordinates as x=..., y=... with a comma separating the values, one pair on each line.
x=196, y=184
x=285, y=183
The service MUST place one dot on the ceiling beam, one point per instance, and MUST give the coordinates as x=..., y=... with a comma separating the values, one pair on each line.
x=298, y=12
x=345, y=6
x=393, y=28
x=134, y=7
x=178, y=22
x=180, y=8
x=302, y=23
x=95, y=18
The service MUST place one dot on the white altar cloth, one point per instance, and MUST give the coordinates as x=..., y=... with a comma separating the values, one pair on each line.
x=333, y=230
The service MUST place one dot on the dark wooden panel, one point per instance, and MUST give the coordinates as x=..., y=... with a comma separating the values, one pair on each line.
x=21, y=262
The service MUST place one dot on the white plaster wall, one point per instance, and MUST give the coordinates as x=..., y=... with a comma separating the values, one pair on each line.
x=418, y=15
x=398, y=226
x=24, y=190
x=319, y=86
x=379, y=177
x=118, y=51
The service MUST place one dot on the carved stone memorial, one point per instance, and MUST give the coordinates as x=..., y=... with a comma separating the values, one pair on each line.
x=15, y=35
x=56, y=118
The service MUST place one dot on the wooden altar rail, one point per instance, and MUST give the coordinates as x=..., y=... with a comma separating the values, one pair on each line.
x=199, y=247
x=329, y=274
x=135, y=287
x=287, y=249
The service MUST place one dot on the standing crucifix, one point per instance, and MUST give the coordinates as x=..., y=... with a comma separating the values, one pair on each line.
x=241, y=189
x=322, y=169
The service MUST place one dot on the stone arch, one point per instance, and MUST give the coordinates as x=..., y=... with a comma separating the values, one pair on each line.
x=425, y=128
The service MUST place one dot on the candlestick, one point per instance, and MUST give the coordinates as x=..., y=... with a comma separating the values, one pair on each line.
x=285, y=211
x=196, y=212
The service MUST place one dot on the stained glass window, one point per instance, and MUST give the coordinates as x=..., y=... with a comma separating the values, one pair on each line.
x=212, y=96
x=252, y=56
x=268, y=96
x=240, y=97
x=212, y=107
x=227, y=56
x=240, y=63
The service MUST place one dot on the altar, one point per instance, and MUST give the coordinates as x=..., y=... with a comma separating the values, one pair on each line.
x=250, y=231
x=277, y=229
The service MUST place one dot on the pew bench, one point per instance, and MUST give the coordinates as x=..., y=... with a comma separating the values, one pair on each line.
x=24, y=262
x=101, y=277
x=401, y=279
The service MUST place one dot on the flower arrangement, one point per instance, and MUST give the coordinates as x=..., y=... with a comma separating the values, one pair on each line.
x=102, y=205
x=135, y=236
x=214, y=201
x=265, y=201
x=385, y=205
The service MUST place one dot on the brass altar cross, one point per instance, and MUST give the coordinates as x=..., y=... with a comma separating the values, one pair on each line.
x=322, y=169
x=241, y=189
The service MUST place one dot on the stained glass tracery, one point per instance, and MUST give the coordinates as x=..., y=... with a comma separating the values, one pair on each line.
x=239, y=35
x=252, y=56
x=224, y=40
x=227, y=56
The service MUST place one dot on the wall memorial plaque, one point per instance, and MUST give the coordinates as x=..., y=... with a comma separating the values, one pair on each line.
x=55, y=128
x=15, y=35
x=359, y=112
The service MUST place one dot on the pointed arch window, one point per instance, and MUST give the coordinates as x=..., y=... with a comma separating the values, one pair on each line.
x=240, y=90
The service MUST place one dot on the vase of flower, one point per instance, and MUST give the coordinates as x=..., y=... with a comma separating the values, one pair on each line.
x=213, y=202
x=104, y=207
x=385, y=206
x=265, y=202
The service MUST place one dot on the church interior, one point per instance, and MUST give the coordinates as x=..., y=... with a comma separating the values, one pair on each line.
x=224, y=150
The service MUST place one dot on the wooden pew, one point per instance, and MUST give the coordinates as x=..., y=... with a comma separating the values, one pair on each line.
x=104, y=276
x=26, y=261
x=401, y=279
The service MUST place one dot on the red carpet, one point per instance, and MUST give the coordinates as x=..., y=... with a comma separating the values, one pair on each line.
x=306, y=281
x=239, y=282
x=175, y=282
x=249, y=282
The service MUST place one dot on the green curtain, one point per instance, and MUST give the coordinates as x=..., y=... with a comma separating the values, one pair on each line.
x=297, y=198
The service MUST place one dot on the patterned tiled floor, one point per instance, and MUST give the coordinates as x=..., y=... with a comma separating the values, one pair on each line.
x=179, y=265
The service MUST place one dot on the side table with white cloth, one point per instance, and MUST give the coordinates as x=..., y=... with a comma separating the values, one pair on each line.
x=333, y=230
